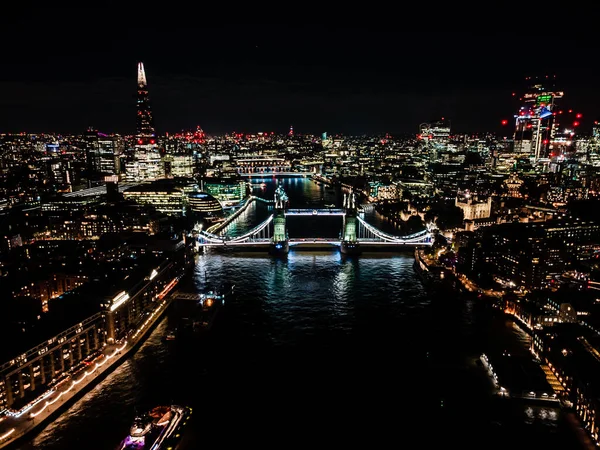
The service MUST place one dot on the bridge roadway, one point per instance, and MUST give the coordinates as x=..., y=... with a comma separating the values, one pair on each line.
x=315, y=212
x=310, y=243
x=274, y=174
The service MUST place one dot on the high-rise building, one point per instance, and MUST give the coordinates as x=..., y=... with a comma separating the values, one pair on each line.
x=146, y=163
x=536, y=121
x=435, y=136
x=145, y=122
x=436, y=132
x=101, y=153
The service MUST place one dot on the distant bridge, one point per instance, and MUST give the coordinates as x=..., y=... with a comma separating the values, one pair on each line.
x=270, y=173
x=315, y=212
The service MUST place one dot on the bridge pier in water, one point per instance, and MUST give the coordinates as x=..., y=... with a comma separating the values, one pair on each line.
x=349, y=239
x=280, y=243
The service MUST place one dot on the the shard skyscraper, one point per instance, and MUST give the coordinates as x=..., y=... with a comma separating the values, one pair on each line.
x=146, y=163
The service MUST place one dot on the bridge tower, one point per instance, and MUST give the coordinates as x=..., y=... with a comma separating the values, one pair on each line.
x=349, y=239
x=280, y=244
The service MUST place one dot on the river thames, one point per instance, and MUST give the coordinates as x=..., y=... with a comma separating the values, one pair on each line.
x=318, y=349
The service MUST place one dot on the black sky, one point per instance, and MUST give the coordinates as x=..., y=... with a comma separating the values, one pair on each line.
x=62, y=74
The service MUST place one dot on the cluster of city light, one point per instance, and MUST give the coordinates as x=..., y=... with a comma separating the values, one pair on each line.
x=520, y=319
x=141, y=328
x=119, y=298
x=161, y=295
x=22, y=411
x=490, y=369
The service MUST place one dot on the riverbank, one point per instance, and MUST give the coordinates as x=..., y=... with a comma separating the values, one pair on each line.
x=506, y=357
x=16, y=428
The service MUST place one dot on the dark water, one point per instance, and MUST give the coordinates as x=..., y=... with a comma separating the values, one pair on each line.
x=319, y=350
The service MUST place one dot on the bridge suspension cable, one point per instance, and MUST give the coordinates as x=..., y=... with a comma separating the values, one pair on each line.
x=212, y=238
x=415, y=237
x=254, y=231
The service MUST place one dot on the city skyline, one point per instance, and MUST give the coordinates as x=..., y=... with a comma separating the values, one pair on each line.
x=340, y=232
x=338, y=80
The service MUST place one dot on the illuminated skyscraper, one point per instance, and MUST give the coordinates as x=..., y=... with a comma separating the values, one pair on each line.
x=535, y=123
x=146, y=163
x=435, y=136
x=102, y=152
x=145, y=121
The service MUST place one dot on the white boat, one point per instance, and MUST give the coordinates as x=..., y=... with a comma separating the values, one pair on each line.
x=159, y=428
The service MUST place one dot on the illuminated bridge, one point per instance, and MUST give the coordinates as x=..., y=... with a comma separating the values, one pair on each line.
x=271, y=234
x=261, y=166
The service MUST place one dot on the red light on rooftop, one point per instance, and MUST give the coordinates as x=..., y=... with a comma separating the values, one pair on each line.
x=579, y=115
x=575, y=124
x=513, y=94
x=570, y=110
x=504, y=122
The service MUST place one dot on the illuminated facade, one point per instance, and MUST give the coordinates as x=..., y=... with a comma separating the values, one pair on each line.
x=473, y=206
x=145, y=121
x=229, y=191
x=513, y=185
x=102, y=152
x=204, y=204
x=128, y=308
x=262, y=164
x=164, y=198
x=349, y=238
x=147, y=163
x=55, y=286
x=28, y=375
x=535, y=123
x=379, y=191
x=436, y=133
x=27, y=378
x=280, y=243
x=178, y=165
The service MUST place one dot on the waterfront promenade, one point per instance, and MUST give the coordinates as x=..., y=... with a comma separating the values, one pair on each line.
x=17, y=425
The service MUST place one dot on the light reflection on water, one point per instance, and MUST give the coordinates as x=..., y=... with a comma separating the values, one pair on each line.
x=541, y=413
x=356, y=342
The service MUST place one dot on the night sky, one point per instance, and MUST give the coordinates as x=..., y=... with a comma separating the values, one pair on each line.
x=63, y=75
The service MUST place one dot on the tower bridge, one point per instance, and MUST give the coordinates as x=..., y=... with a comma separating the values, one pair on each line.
x=272, y=235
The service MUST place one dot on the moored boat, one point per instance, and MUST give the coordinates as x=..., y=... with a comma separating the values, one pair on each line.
x=159, y=428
